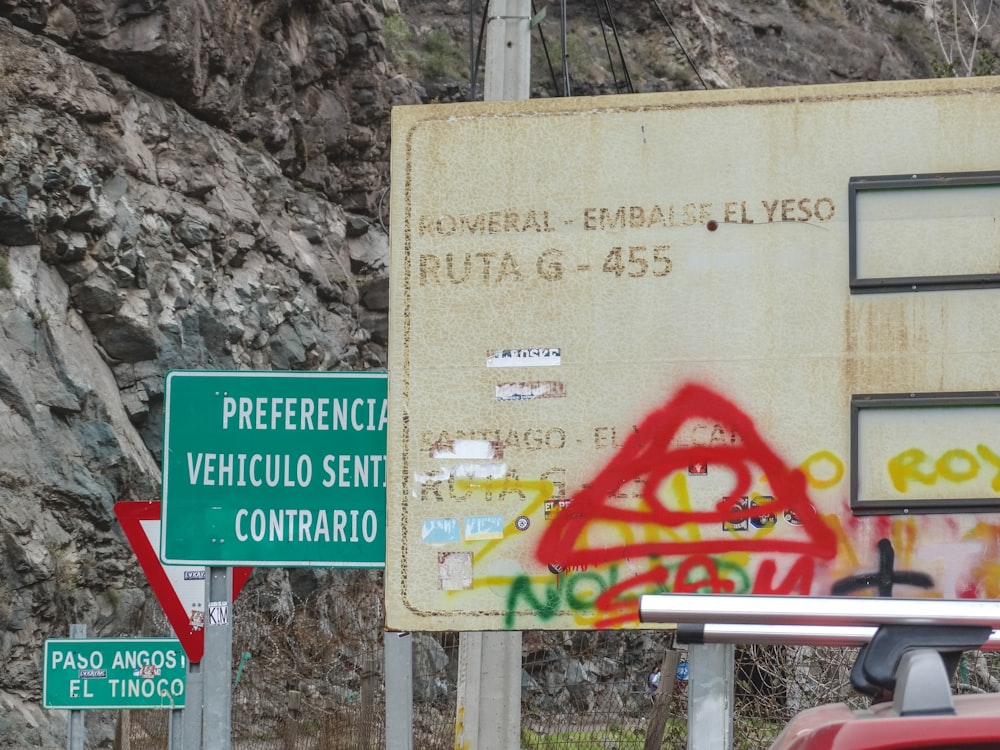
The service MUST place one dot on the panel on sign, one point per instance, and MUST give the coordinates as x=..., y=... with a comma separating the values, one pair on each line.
x=925, y=453
x=218, y=613
x=626, y=332
x=921, y=232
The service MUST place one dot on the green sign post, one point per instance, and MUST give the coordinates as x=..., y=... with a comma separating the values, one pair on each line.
x=274, y=469
x=113, y=673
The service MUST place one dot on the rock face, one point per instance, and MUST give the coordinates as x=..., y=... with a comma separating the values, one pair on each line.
x=202, y=184
x=135, y=238
x=307, y=82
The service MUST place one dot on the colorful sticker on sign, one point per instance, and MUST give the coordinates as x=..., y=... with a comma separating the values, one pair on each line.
x=439, y=530
x=553, y=507
x=741, y=523
x=767, y=520
x=479, y=528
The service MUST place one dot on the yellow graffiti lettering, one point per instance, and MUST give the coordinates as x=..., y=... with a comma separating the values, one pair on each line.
x=945, y=465
x=905, y=468
x=690, y=531
x=954, y=465
x=846, y=555
x=993, y=459
x=987, y=572
x=823, y=469
x=904, y=538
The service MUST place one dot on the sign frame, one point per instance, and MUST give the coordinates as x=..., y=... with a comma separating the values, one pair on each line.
x=200, y=525
x=712, y=330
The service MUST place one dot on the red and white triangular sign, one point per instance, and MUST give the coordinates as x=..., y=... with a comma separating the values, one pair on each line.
x=180, y=589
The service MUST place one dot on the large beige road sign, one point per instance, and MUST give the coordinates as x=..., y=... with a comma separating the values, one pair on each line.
x=737, y=342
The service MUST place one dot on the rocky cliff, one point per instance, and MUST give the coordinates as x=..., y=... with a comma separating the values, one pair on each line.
x=202, y=183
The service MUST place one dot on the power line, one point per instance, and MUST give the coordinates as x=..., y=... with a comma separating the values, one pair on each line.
x=607, y=47
x=684, y=51
x=618, y=44
x=474, y=63
x=548, y=59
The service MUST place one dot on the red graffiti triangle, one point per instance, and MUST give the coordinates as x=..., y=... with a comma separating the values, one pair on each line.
x=653, y=459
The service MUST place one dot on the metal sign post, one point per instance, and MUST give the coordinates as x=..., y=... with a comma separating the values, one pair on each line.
x=76, y=729
x=710, y=696
x=218, y=661
x=190, y=729
x=175, y=730
x=398, y=691
x=489, y=691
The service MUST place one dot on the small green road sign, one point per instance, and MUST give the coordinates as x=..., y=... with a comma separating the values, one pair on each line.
x=111, y=673
x=274, y=469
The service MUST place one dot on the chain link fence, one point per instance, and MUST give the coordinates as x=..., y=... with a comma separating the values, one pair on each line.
x=308, y=674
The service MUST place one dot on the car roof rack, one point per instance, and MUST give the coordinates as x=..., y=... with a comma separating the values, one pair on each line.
x=915, y=663
x=910, y=648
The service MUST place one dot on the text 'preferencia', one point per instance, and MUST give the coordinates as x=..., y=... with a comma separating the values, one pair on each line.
x=291, y=414
x=281, y=475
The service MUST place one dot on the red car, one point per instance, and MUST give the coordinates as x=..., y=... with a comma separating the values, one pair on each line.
x=921, y=713
x=975, y=725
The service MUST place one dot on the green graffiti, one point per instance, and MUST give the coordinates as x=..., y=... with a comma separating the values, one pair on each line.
x=521, y=587
x=579, y=591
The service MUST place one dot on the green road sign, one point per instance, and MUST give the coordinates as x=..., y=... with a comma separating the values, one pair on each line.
x=106, y=673
x=274, y=469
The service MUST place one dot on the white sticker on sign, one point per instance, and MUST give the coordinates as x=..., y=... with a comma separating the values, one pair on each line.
x=218, y=613
x=529, y=391
x=536, y=357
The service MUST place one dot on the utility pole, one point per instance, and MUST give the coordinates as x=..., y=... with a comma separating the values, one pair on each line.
x=508, y=51
x=489, y=669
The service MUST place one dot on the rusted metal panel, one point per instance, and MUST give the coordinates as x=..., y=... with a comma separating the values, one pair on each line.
x=624, y=345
